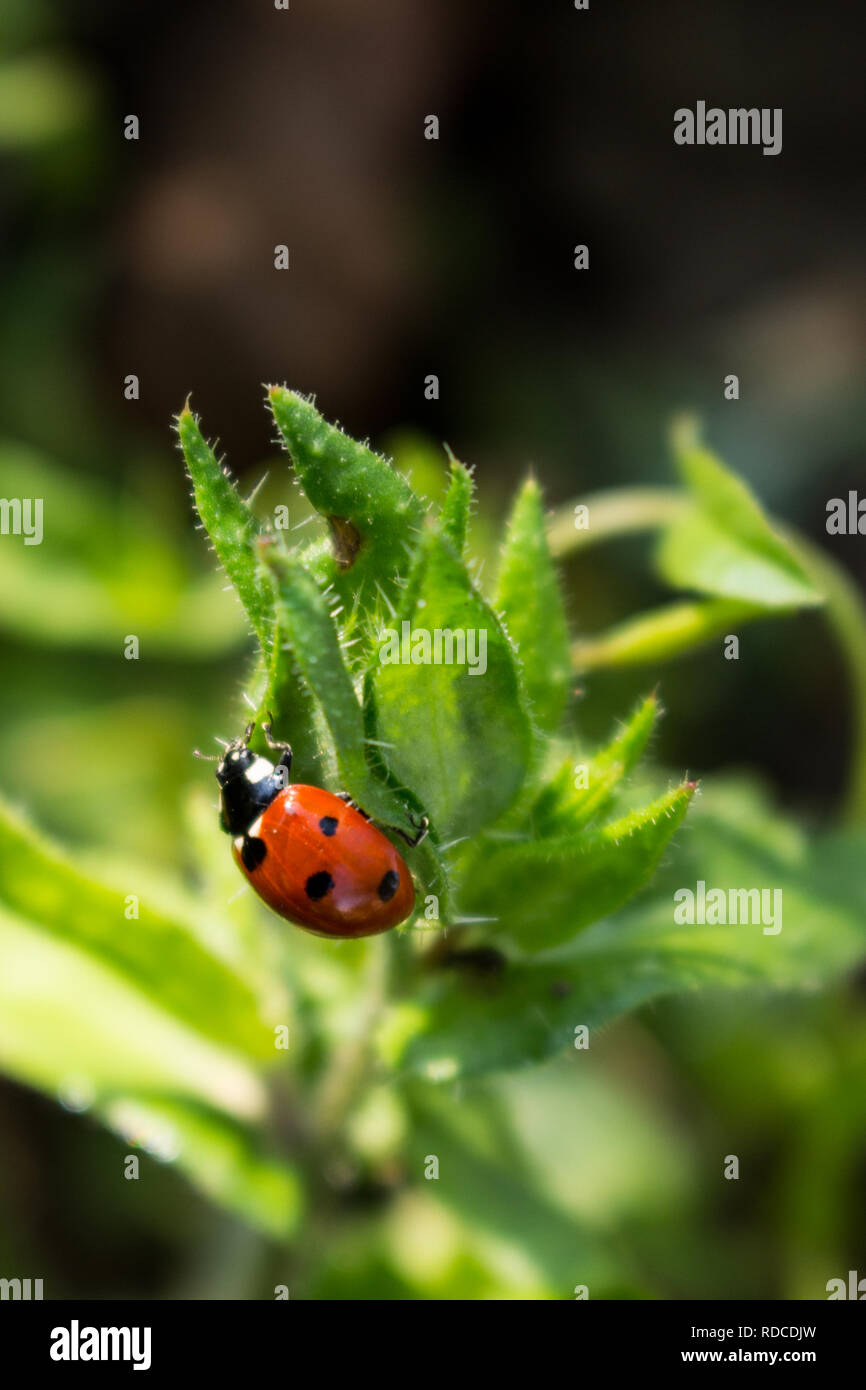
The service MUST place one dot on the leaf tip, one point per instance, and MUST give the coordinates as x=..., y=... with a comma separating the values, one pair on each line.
x=185, y=414
x=684, y=432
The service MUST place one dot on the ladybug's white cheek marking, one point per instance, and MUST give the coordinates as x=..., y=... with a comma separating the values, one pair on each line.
x=255, y=830
x=259, y=770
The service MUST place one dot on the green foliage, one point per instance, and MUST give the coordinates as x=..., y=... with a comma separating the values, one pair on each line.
x=113, y=567
x=551, y=870
x=167, y=955
x=723, y=544
x=224, y=1158
x=451, y=1030
x=459, y=737
x=664, y=633
x=529, y=597
x=579, y=793
x=456, y=505
x=70, y=1022
x=501, y=1198
x=231, y=525
x=372, y=512
x=545, y=891
x=307, y=624
x=714, y=539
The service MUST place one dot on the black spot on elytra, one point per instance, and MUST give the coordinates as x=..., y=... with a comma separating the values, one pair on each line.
x=389, y=885
x=328, y=825
x=253, y=851
x=318, y=885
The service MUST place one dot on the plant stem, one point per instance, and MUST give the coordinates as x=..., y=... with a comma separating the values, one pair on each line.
x=618, y=513
x=630, y=510
x=662, y=633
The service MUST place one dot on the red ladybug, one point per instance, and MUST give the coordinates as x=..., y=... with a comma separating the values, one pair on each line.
x=311, y=855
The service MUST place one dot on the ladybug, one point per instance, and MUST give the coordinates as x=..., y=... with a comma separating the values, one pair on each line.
x=313, y=856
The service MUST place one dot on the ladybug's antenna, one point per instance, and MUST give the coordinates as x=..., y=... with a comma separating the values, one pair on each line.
x=208, y=757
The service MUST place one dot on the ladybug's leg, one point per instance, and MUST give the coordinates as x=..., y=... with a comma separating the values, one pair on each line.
x=421, y=827
x=284, y=749
x=350, y=801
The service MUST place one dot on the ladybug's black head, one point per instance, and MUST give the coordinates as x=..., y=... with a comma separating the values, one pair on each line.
x=248, y=785
x=235, y=762
x=248, y=782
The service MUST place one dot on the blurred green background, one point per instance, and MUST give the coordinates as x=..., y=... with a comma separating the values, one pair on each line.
x=155, y=258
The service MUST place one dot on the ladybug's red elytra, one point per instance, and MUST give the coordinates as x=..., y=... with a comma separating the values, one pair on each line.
x=313, y=856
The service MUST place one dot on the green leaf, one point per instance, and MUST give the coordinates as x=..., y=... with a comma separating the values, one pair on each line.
x=456, y=505
x=599, y=1146
x=372, y=512
x=280, y=694
x=723, y=544
x=235, y=533
x=224, y=1159
x=529, y=598
x=76, y=1028
x=459, y=1028
x=303, y=614
x=306, y=619
x=284, y=697
x=662, y=633
x=579, y=792
x=544, y=892
x=78, y=591
x=499, y=1197
x=460, y=739
x=232, y=527
x=170, y=959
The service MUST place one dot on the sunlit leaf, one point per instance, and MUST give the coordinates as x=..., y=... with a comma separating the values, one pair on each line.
x=164, y=956
x=723, y=544
x=458, y=1026
x=71, y=589
x=371, y=510
x=541, y=893
x=454, y=730
x=231, y=526
x=304, y=616
x=581, y=790
x=456, y=505
x=529, y=597
x=77, y=1028
x=663, y=633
